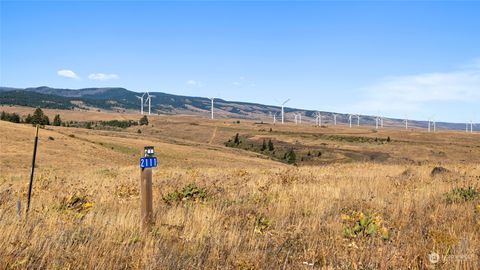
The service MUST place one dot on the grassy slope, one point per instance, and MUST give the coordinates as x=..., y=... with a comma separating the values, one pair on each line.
x=258, y=213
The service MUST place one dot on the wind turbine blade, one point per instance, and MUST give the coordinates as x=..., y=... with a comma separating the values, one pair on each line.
x=285, y=101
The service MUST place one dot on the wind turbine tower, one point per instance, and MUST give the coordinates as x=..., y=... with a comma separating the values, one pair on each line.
x=149, y=99
x=318, y=119
x=212, y=107
x=141, y=102
x=358, y=119
x=334, y=119
x=350, y=119
x=283, y=114
x=274, y=114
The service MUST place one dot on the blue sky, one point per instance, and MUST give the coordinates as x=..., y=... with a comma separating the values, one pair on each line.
x=414, y=59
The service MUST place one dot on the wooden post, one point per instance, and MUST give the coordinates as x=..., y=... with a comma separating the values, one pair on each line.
x=146, y=196
x=33, y=170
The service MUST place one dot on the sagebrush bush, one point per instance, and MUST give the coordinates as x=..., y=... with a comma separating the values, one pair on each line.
x=458, y=195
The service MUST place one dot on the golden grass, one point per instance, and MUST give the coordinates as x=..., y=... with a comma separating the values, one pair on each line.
x=258, y=214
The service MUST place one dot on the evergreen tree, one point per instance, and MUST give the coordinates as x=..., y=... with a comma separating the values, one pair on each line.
x=264, y=145
x=15, y=118
x=236, y=140
x=28, y=119
x=39, y=118
x=143, y=121
x=270, y=145
x=290, y=156
x=11, y=117
x=57, y=121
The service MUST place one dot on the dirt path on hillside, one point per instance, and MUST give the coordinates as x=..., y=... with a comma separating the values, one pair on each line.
x=213, y=135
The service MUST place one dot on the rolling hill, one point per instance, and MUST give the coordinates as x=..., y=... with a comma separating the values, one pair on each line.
x=120, y=99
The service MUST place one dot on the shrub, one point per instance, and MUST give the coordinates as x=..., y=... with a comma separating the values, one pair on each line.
x=143, y=121
x=77, y=204
x=119, y=123
x=359, y=224
x=264, y=145
x=262, y=223
x=234, y=142
x=458, y=195
x=11, y=117
x=57, y=121
x=38, y=118
x=290, y=156
x=270, y=145
x=188, y=192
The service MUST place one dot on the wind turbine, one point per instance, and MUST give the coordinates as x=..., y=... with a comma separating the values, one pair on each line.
x=376, y=122
x=298, y=118
x=471, y=126
x=406, y=121
x=212, y=98
x=274, y=114
x=141, y=102
x=350, y=119
x=283, y=104
x=358, y=119
x=149, y=99
x=318, y=118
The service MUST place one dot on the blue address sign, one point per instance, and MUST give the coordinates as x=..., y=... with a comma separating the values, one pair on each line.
x=148, y=162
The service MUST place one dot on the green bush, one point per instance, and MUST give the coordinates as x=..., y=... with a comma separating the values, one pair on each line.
x=11, y=117
x=38, y=118
x=57, y=121
x=458, y=195
x=262, y=223
x=234, y=142
x=359, y=224
x=290, y=156
x=270, y=145
x=188, y=192
x=143, y=121
x=119, y=123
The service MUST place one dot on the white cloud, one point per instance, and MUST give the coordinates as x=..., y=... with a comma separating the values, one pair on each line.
x=102, y=76
x=194, y=83
x=411, y=92
x=67, y=74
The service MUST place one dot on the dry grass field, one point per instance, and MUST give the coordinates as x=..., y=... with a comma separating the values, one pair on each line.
x=353, y=200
